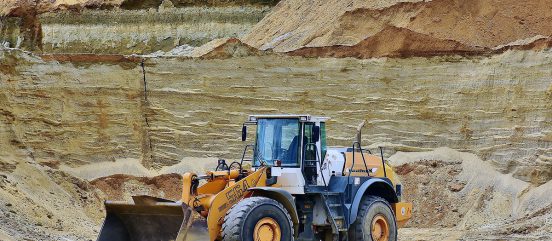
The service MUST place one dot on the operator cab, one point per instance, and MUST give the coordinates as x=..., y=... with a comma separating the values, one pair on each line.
x=293, y=145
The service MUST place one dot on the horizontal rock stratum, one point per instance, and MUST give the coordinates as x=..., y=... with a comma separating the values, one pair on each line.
x=88, y=109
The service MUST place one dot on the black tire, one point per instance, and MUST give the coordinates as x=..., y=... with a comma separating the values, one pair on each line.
x=240, y=220
x=370, y=207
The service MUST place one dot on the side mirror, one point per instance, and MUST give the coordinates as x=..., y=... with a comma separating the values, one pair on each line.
x=315, y=134
x=244, y=132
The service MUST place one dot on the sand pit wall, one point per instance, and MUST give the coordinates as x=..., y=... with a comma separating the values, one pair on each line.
x=89, y=111
x=124, y=27
x=144, y=31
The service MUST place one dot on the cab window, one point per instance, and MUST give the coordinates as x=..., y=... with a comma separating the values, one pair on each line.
x=277, y=139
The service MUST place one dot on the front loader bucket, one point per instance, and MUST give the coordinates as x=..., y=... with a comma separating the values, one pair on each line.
x=147, y=219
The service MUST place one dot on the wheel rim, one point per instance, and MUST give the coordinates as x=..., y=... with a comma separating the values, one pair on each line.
x=267, y=229
x=380, y=228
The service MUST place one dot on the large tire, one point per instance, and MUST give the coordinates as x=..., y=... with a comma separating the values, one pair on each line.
x=251, y=215
x=374, y=212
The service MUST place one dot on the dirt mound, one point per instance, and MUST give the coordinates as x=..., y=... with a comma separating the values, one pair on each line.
x=459, y=191
x=225, y=48
x=472, y=24
x=40, y=203
x=433, y=196
x=392, y=42
x=222, y=48
x=123, y=187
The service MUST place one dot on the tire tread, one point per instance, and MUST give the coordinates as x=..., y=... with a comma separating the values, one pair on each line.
x=236, y=215
x=365, y=204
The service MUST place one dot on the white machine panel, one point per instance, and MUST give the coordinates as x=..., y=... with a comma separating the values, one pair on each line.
x=292, y=180
x=332, y=165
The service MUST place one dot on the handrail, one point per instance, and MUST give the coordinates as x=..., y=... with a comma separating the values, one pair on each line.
x=356, y=143
x=245, y=151
x=318, y=159
x=383, y=162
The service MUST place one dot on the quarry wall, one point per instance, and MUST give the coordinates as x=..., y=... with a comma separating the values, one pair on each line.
x=93, y=110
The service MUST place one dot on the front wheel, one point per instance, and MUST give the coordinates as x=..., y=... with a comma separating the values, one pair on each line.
x=375, y=221
x=257, y=219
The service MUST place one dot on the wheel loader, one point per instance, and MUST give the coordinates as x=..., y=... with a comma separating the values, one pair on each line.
x=288, y=185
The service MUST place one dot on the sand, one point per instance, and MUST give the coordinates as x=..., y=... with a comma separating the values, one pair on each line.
x=460, y=192
x=455, y=27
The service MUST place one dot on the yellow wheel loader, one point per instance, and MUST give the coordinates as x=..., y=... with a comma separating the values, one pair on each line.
x=293, y=187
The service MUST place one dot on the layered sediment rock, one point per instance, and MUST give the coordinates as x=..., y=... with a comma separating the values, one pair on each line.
x=93, y=110
x=123, y=27
x=144, y=31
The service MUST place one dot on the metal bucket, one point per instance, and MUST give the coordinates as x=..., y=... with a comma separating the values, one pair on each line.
x=147, y=219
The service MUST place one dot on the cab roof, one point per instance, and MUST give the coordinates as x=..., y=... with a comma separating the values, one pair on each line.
x=304, y=117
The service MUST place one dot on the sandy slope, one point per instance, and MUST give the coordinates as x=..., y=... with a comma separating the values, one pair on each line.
x=456, y=195
x=460, y=192
x=41, y=203
x=392, y=42
x=487, y=24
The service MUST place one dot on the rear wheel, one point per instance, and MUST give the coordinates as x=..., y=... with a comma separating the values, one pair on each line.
x=375, y=221
x=257, y=219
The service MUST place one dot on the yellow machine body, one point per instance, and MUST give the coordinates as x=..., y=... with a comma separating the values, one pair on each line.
x=219, y=194
x=212, y=195
x=403, y=210
x=150, y=218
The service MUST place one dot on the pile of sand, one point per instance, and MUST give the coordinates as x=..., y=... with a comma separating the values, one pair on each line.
x=401, y=28
x=225, y=48
x=222, y=48
x=41, y=203
x=123, y=187
x=459, y=191
x=392, y=42
x=38, y=201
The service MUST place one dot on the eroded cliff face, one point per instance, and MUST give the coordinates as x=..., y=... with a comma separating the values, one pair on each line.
x=18, y=7
x=88, y=111
x=144, y=31
x=123, y=27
